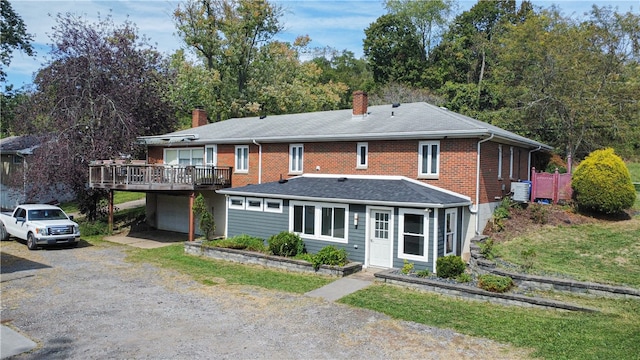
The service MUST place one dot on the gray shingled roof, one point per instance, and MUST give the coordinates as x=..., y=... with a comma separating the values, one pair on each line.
x=393, y=191
x=19, y=144
x=382, y=122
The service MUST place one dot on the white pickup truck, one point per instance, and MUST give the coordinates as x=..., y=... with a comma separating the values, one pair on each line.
x=39, y=224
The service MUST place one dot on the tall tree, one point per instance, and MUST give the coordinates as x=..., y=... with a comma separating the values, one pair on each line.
x=429, y=17
x=14, y=36
x=343, y=67
x=228, y=35
x=575, y=85
x=393, y=52
x=102, y=89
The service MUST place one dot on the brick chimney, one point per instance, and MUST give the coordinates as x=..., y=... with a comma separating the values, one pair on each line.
x=360, y=100
x=199, y=118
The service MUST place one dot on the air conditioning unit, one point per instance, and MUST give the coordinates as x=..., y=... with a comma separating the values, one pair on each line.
x=520, y=191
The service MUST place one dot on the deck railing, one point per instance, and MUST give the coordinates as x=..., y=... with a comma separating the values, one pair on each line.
x=136, y=176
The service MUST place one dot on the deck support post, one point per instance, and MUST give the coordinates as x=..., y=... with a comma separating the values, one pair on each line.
x=110, y=211
x=192, y=227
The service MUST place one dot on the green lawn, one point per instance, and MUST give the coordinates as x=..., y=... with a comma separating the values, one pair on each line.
x=119, y=197
x=605, y=253
x=613, y=333
x=634, y=170
x=212, y=272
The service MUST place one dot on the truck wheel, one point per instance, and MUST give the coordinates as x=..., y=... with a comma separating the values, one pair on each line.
x=4, y=235
x=31, y=242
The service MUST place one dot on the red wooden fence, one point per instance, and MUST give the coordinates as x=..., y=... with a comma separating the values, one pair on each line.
x=554, y=187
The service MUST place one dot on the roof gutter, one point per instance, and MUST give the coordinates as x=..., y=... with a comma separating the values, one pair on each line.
x=474, y=209
x=529, y=162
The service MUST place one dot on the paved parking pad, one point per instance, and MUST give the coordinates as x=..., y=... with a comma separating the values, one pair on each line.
x=89, y=302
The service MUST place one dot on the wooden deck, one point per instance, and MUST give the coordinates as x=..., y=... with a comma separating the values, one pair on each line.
x=151, y=177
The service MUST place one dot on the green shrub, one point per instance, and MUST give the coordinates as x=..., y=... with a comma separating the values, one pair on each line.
x=449, y=266
x=463, y=278
x=329, y=255
x=423, y=273
x=539, y=214
x=501, y=214
x=241, y=242
x=207, y=223
x=407, y=268
x=286, y=244
x=90, y=228
x=486, y=248
x=602, y=183
x=495, y=283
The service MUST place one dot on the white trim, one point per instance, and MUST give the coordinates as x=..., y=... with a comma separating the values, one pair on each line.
x=249, y=207
x=267, y=201
x=178, y=150
x=428, y=173
x=510, y=162
x=237, y=168
x=359, y=162
x=453, y=211
x=214, y=161
x=368, y=229
x=436, y=224
x=425, y=234
x=233, y=199
x=296, y=158
x=317, y=221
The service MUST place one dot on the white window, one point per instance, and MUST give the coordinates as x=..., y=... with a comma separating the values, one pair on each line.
x=429, y=159
x=499, y=161
x=413, y=229
x=273, y=205
x=253, y=204
x=242, y=158
x=363, y=155
x=211, y=155
x=295, y=158
x=236, y=203
x=320, y=221
x=450, y=231
x=511, y=162
x=185, y=156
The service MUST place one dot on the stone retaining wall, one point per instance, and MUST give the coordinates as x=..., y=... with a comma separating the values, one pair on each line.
x=248, y=257
x=481, y=265
x=468, y=292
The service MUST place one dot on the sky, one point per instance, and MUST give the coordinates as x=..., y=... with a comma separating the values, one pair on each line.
x=337, y=24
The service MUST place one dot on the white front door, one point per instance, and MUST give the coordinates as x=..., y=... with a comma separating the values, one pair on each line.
x=380, y=238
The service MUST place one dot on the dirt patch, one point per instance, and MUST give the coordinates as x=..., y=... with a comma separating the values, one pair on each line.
x=527, y=218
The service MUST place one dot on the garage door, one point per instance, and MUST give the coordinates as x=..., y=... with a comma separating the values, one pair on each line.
x=173, y=213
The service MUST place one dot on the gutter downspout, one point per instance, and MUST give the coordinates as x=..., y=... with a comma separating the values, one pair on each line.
x=475, y=209
x=259, y=160
x=529, y=162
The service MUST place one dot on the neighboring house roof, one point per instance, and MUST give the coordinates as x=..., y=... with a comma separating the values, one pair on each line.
x=353, y=189
x=22, y=145
x=382, y=122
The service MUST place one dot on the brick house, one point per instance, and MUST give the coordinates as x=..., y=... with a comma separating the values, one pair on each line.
x=387, y=183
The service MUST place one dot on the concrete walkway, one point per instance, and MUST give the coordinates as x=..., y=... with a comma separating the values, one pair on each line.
x=13, y=343
x=345, y=286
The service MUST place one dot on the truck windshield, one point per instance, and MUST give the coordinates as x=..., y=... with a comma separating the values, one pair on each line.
x=48, y=214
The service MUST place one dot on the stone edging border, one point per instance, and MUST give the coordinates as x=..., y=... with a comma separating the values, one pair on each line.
x=535, y=282
x=468, y=292
x=248, y=257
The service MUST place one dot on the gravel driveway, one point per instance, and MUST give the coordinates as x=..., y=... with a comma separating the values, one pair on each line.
x=89, y=303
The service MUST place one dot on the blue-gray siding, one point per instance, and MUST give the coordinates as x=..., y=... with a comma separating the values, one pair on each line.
x=265, y=224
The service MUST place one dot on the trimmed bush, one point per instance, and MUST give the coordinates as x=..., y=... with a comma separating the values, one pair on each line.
x=286, y=244
x=495, y=283
x=602, y=183
x=329, y=255
x=240, y=242
x=449, y=266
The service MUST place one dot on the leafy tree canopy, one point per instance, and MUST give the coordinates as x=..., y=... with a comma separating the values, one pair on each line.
x=14, y=36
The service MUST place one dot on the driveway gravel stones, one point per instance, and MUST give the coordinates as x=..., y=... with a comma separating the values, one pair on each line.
x=90, y=303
